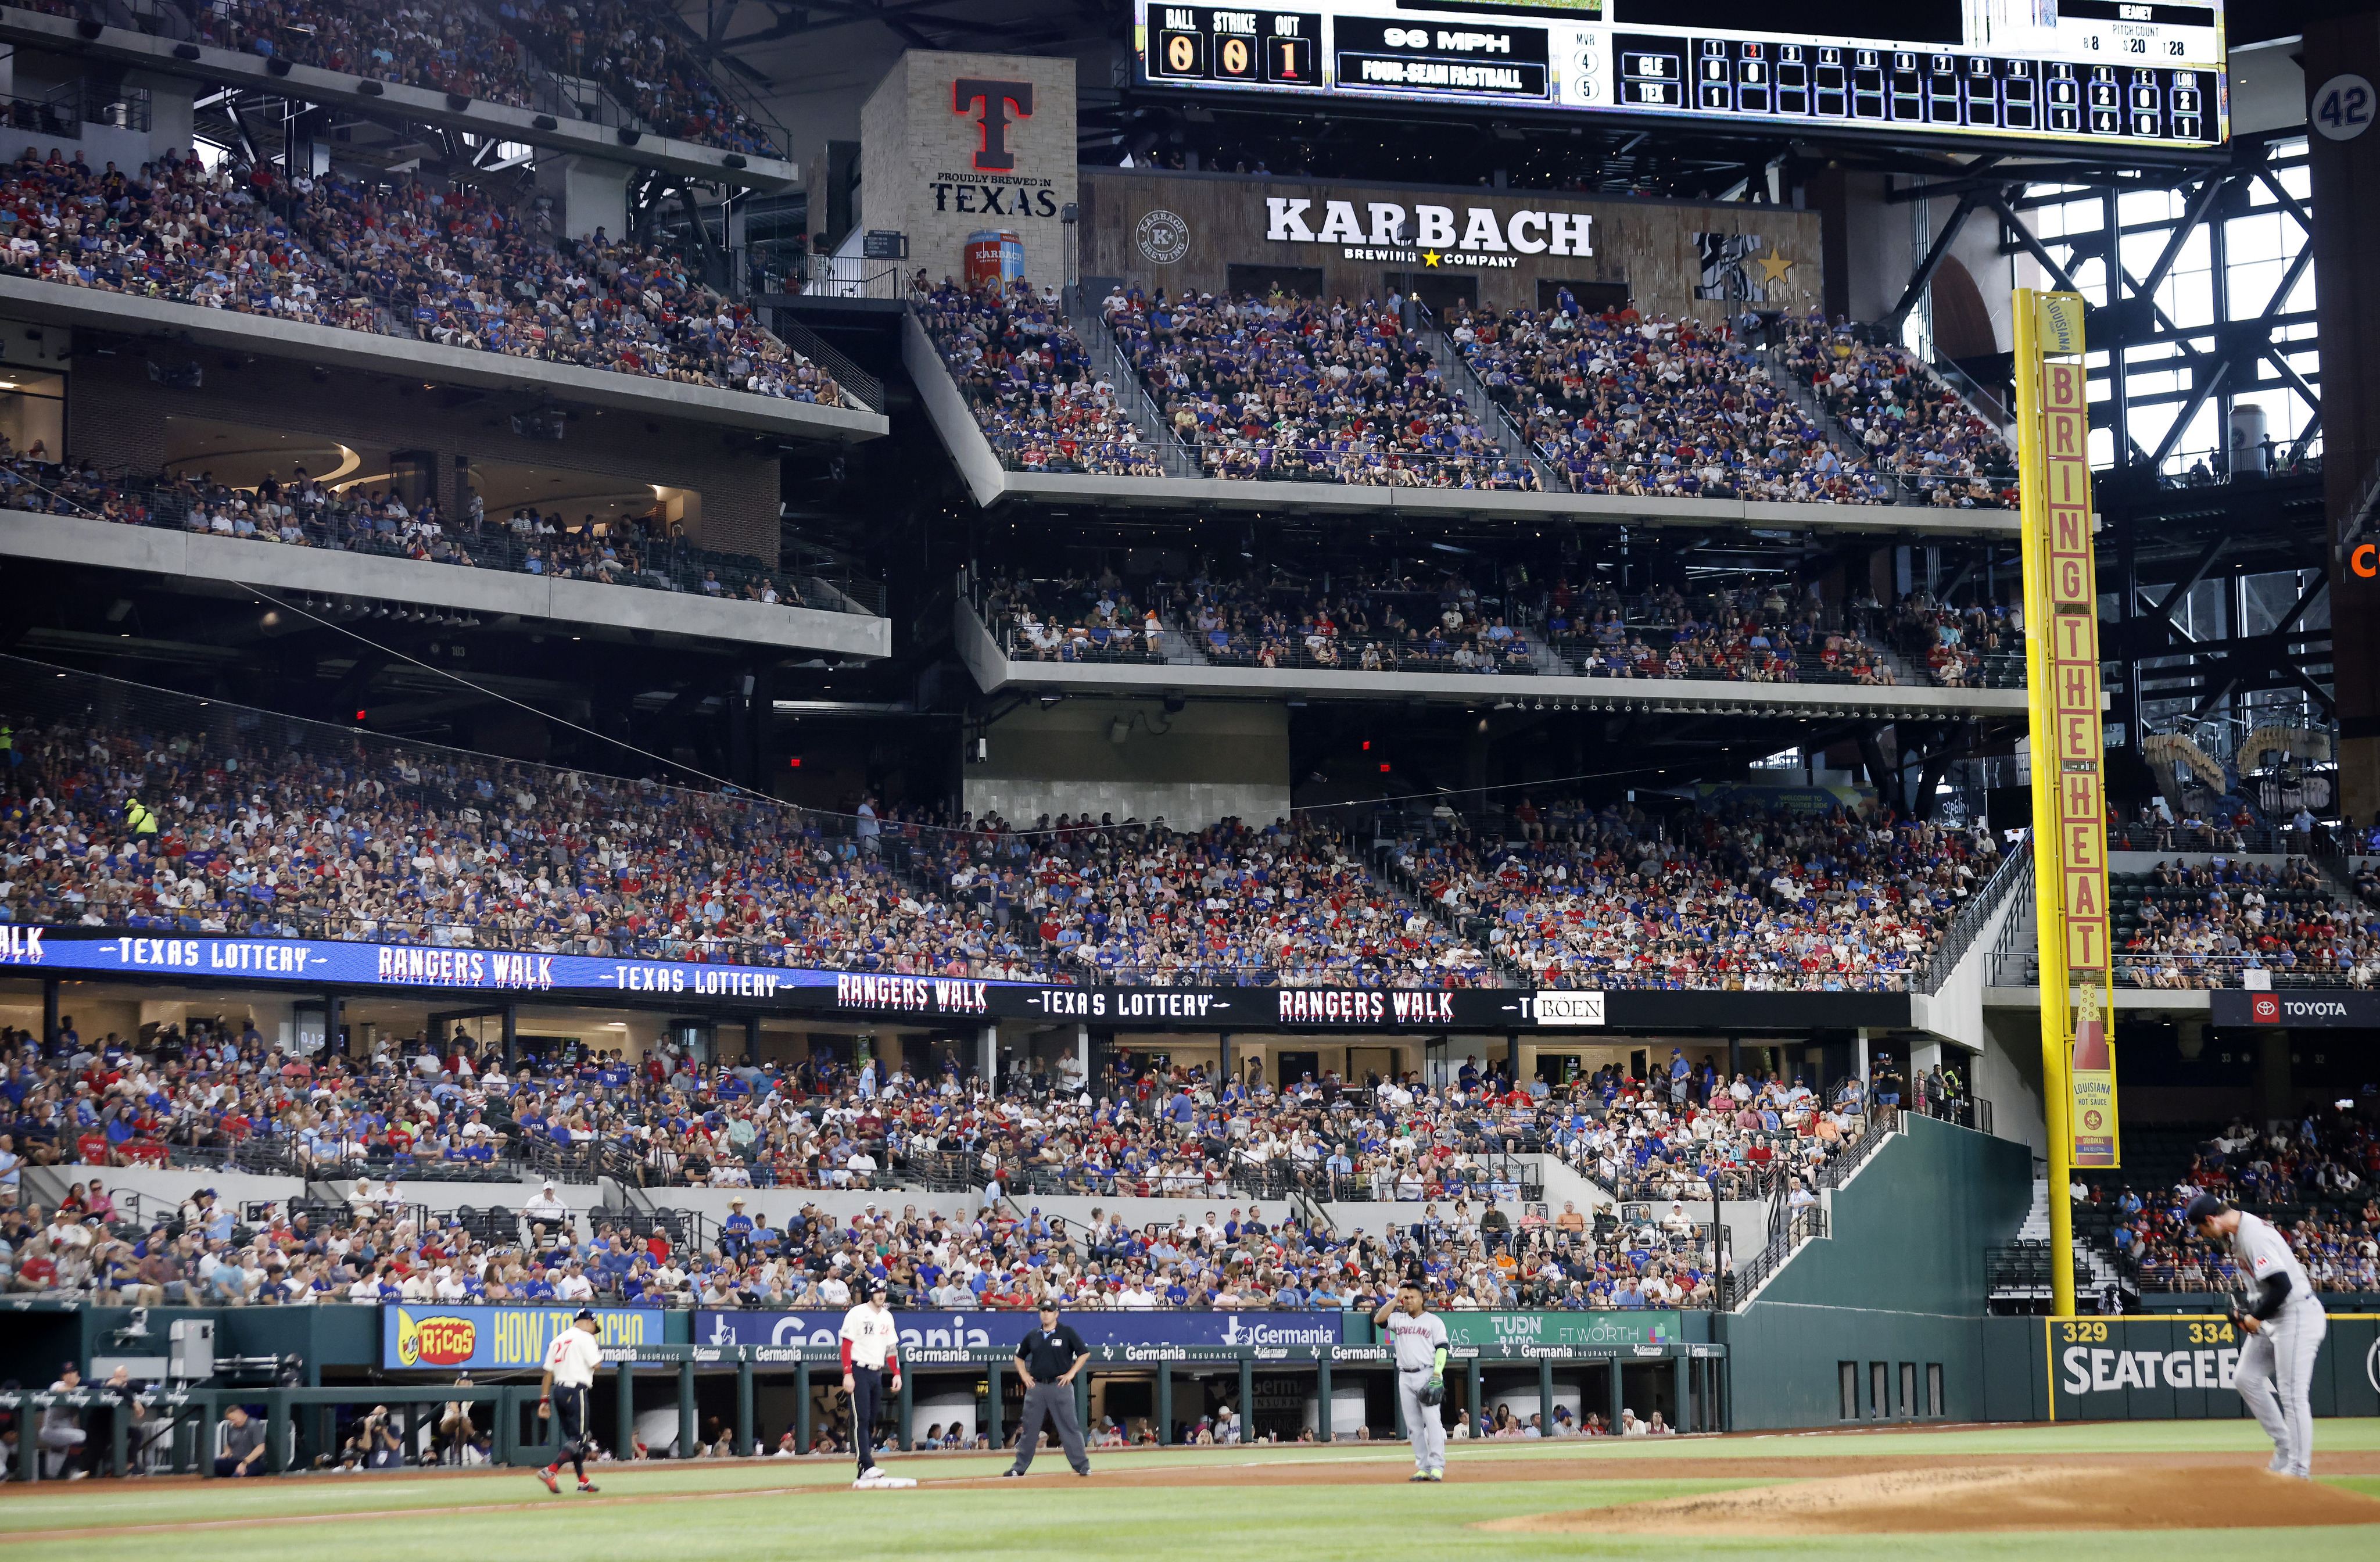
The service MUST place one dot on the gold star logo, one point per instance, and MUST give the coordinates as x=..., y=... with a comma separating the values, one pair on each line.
x=1773, y=265
x=1429, y=257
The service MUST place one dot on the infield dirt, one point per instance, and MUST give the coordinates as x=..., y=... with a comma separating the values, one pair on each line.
x=1972, y=1500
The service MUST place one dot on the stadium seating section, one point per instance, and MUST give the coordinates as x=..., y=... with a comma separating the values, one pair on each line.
x=2313, y=1178
x=414, y=1117
x=456, y=267
x=1381, y=618
x=637, y=52
x=350, y=837
x=298, y=511
x=1289, y=389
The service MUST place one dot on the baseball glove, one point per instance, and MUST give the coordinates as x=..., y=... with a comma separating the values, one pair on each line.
x=1433, y=1392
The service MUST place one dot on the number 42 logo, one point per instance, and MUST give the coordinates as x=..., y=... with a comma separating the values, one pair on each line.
x=2342, y=108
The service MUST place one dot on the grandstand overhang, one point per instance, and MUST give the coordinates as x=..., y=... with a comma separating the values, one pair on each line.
x=232, y=566
x=994, y=671
x=124, y=314
x=116, y=45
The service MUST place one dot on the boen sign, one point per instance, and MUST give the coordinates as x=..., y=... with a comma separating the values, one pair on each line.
x=1386, y=231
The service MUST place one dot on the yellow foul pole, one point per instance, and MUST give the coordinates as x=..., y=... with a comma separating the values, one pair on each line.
x=2061, y=633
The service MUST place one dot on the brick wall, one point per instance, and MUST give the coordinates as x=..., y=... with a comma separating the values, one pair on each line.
x=924, y=171
x=116, y=417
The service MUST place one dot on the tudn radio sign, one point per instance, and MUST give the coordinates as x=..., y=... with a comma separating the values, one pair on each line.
x=434, y=1342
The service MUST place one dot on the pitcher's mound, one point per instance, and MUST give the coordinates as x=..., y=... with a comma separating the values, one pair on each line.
x=1977, y=1501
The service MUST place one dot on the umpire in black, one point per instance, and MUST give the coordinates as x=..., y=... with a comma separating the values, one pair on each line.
x=1046, y=1359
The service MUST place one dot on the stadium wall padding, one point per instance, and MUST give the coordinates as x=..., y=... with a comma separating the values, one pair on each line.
x=1899, y=1279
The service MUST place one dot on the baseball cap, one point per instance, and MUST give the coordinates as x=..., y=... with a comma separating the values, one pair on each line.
x=2206, y=1207
x=586, y=1313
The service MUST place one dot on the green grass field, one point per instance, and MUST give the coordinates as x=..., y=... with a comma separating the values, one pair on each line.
x=806, y=1508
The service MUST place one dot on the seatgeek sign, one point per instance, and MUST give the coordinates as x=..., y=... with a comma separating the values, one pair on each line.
x=1117, y=1337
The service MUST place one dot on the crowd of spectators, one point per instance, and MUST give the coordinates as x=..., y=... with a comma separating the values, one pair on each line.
x=1617, y=403
x=1165, y=1131
x=1290, y=389
x=636, y=51
x=209, y=832
x=299, y=512
x=2184, y=926
x=1752, y=633
x=174, y=822
x=1024, y=372
x=1910, y=425
x=2313, y=1178
x=1381, y=616
x=641, y=54
x=1732, y=898
x=1293, y=903
x=460, y=267
x=441, y=48
x=1286, y=388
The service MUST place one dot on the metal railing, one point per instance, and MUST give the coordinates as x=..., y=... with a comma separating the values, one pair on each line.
x=1738, y=1285
x=852, y=276
x=1475, y=391
x=866, y=387
x=1105, y=348
x=1961, y=933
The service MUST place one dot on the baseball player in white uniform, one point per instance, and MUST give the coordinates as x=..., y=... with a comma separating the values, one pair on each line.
x=872, y=1367
x=2284, y=1324
x=570, y=1363
x=1417, y=1337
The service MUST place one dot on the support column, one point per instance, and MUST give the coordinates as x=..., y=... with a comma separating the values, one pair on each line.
x=334, y=1017
x=1165, y=1403
x=1247, y=1399
x=1616, y=1405
x=744, y=1404
x=908, y=1403
x=1546, y=1395
x=49, y=1012
x=512, y=1036
x=1734, y=1057
x=802, y=1405
x=624, y=1414
x=2272, y=1088
x=1083, y=1054
x=987, y=1056
x=992, y=1403
x=1322, y=1400
x=1223, y=1072
x=688, y=1432
x=1513, y=1057
x=752, y=1040
x=1476, y=1390
x=1682, y=1392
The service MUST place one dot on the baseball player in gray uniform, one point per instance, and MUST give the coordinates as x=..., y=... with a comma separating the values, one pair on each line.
x=2284, y=1324
x=1419, y=1339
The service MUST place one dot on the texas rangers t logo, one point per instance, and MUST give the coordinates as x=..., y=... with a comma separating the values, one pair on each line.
x=998, y=98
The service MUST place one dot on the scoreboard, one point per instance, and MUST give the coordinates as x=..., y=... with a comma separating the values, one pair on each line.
x=2097, y=72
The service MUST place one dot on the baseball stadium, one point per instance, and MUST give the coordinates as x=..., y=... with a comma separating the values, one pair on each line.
x=1763, y=937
